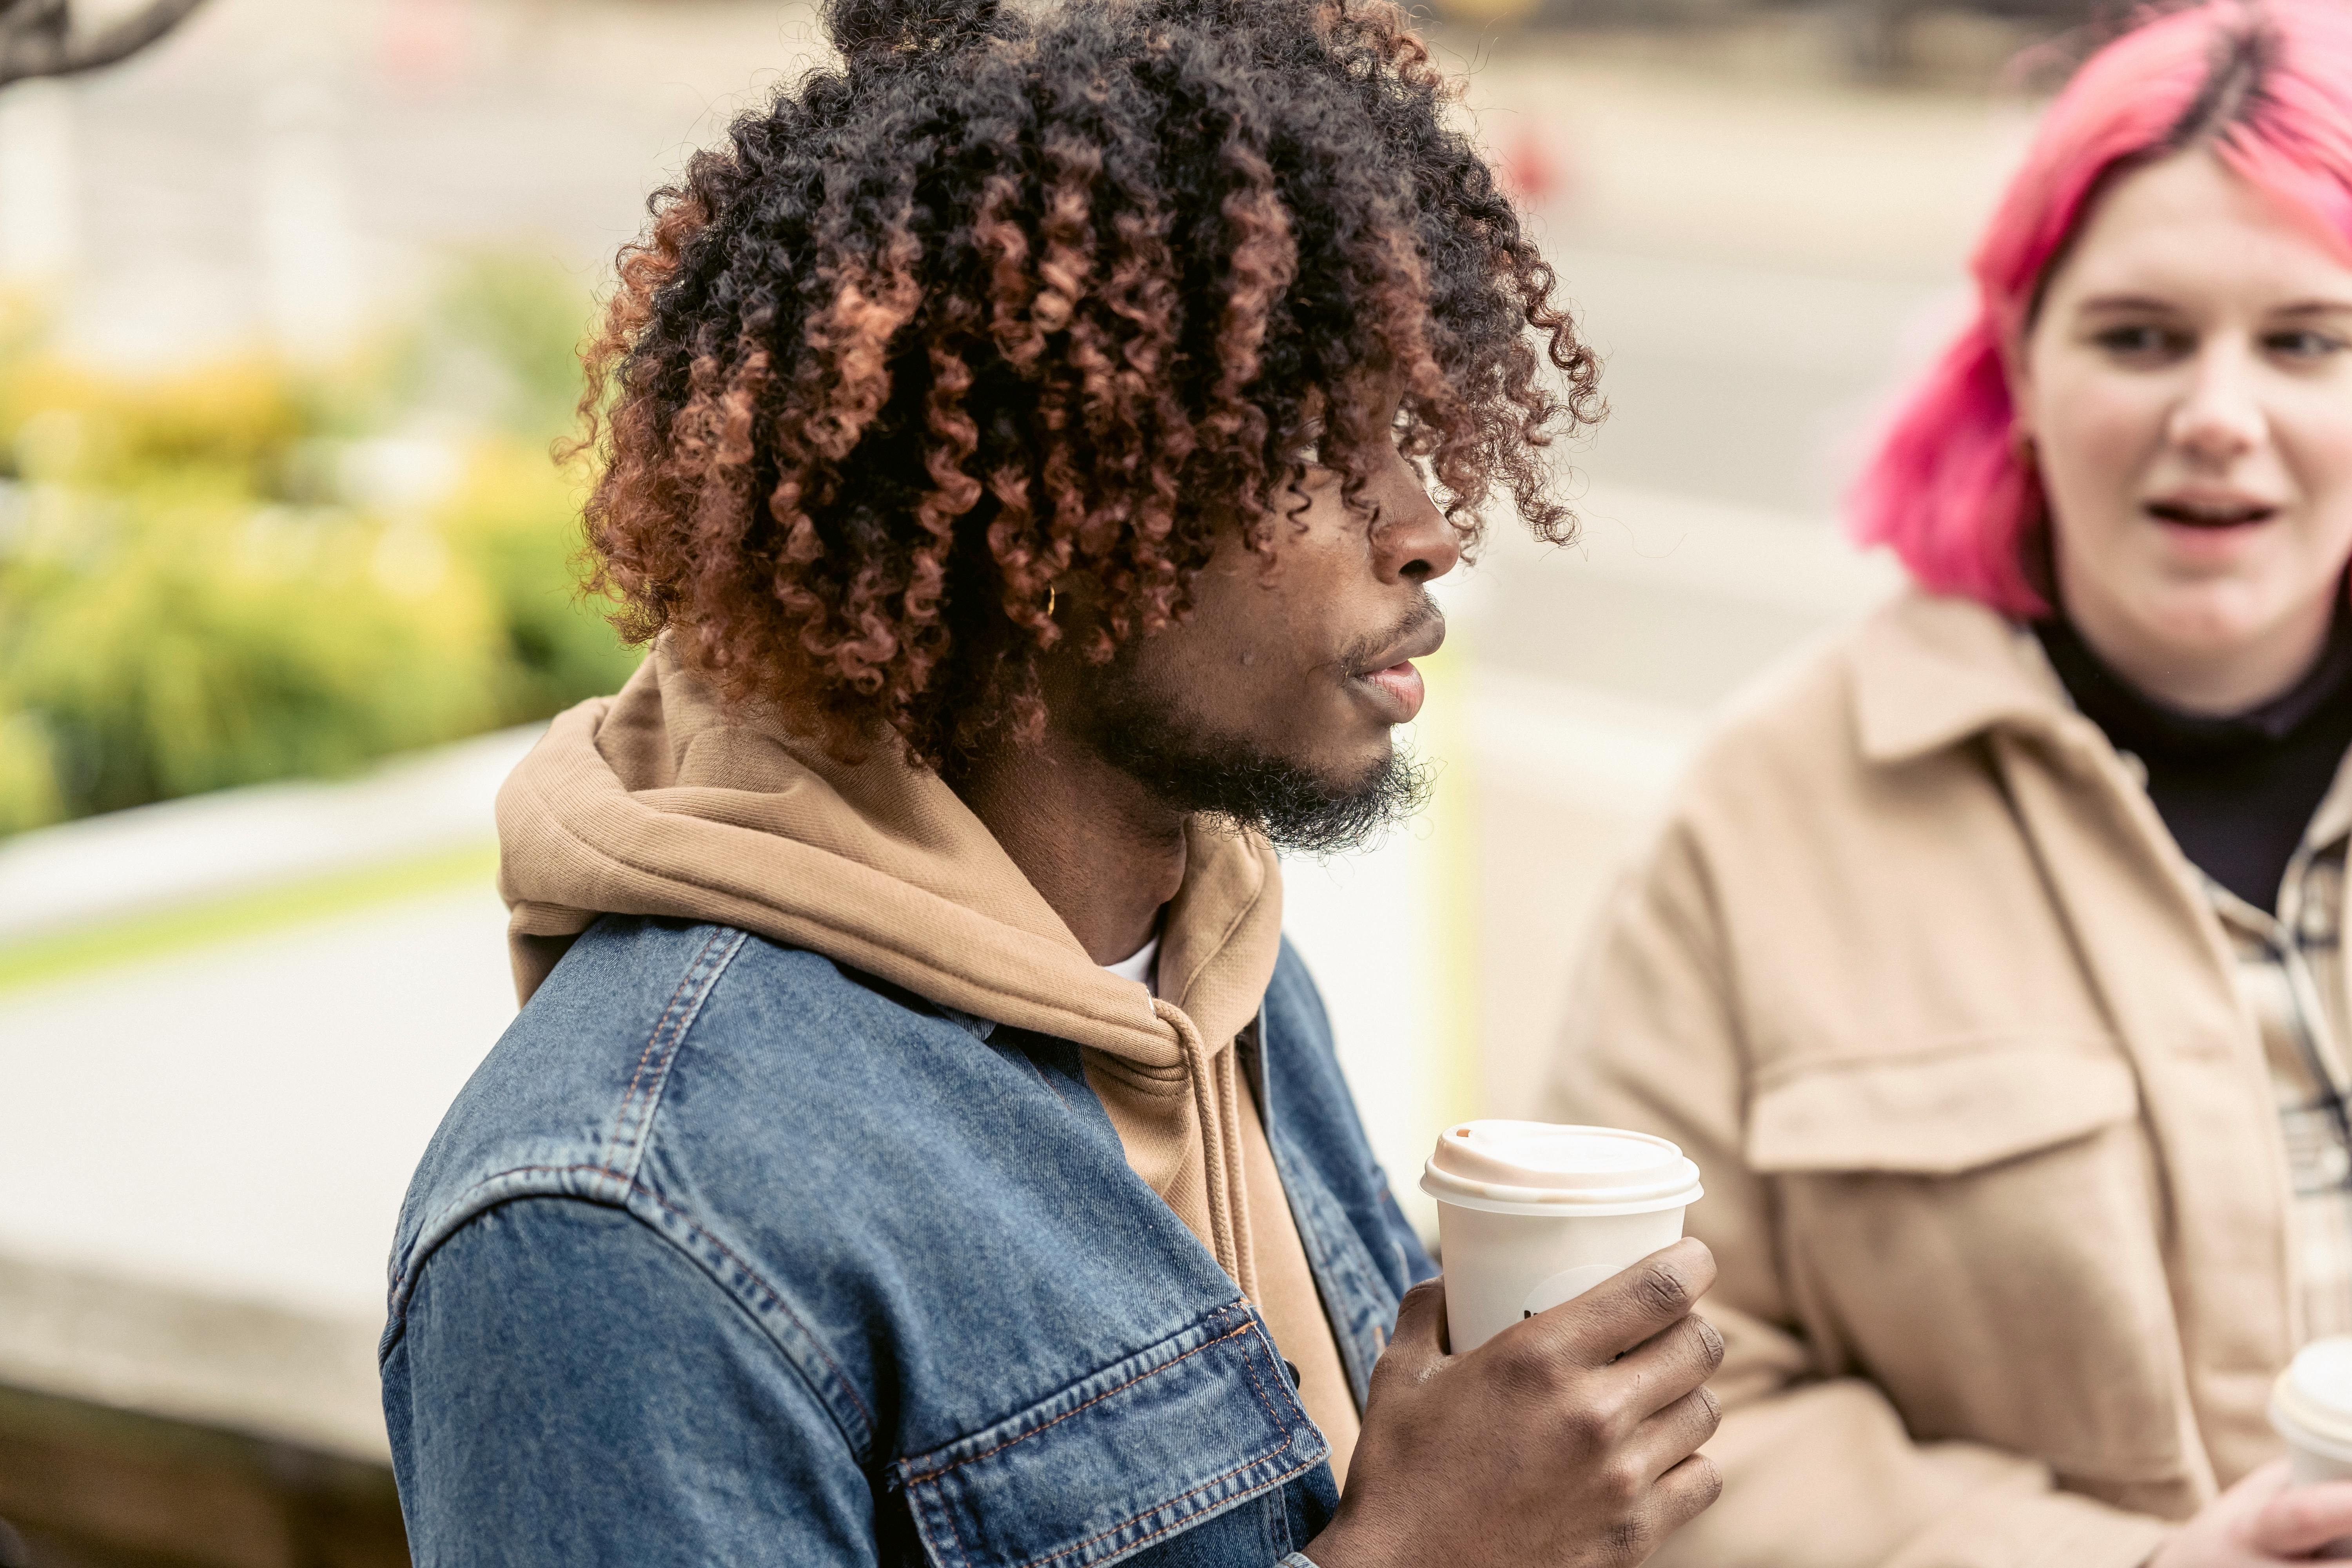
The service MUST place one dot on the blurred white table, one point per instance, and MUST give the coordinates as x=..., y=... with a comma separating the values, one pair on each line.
x=209, y=1135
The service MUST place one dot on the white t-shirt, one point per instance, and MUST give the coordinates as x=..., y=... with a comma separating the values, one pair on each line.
x=1139, y=965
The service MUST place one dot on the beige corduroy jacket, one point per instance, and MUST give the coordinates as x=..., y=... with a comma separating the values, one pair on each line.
x=1994, y=1173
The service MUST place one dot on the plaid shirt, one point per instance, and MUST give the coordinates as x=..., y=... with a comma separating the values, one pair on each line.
x=2291, y=972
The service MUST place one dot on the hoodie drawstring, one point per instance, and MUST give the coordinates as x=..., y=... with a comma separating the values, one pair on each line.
x=1217, y=1101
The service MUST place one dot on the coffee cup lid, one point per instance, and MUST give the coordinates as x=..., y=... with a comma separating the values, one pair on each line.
x=2312, y=1402
x=1541, y=1168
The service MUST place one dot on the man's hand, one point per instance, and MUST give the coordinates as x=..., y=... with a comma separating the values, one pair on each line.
x=2258, y=1521
x=1565, y=1441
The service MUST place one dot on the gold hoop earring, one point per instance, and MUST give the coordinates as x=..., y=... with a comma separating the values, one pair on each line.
x=1049, y=601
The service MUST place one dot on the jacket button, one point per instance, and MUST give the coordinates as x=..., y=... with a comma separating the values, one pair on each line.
x=1292, y=1368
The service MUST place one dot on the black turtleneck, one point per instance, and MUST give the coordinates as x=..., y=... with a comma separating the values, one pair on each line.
x=2237, y=791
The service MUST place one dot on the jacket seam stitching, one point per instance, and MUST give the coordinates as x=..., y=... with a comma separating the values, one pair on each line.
x=1322, y=1265
x=1264, y=1403
x=660, y=1024
x=955, y=1533
x=685, y=1005
x=1287, y=1447
x=1974, y=1045
x=1350, y=1264
x=610, y=1166
x=638, y=1188
x=782, y=1305
x=1106, y=1393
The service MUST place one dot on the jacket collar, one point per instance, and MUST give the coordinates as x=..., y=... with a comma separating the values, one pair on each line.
x=1930, y=672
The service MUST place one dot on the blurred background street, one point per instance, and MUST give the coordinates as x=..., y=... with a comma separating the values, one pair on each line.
x=286, y=306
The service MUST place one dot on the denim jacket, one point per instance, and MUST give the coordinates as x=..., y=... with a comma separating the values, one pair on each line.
x=729, y=1254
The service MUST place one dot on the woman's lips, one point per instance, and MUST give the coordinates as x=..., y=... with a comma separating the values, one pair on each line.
x=2210, y=513
x=1397, y=687
x=2209, y=532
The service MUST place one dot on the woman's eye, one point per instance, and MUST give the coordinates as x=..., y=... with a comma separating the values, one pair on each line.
x=2302, y=343
x=2140, y=341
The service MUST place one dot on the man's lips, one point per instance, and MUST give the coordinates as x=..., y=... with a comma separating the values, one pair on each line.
x=1400, y=687
x=1392, y=681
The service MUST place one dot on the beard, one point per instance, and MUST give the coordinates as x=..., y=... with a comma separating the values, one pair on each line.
x=1233, y=780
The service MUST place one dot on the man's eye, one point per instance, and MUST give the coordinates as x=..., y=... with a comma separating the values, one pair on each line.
x=1307, y=451
x=2141, y=342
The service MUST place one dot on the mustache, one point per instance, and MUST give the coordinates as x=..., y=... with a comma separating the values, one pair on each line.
x=1423, y=613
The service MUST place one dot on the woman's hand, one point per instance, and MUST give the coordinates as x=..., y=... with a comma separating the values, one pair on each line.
x=2259, y=1520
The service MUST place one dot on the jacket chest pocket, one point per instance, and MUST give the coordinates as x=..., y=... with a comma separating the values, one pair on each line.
x=1120, y=1461
x=1976, y=1229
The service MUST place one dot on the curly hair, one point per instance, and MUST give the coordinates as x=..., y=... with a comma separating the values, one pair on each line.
x=1055, y=291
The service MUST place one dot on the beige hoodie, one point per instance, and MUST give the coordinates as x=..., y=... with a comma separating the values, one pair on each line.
x=657, y=802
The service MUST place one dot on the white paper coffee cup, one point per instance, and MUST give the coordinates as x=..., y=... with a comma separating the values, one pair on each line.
x=1530, y=1215
x=2311, y=1407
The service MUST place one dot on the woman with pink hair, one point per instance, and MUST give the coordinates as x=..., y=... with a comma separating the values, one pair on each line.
x=1989, y=960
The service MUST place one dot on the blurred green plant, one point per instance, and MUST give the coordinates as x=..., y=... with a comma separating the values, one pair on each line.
x=254, y=572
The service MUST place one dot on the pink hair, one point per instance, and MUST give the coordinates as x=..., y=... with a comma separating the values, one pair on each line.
x=2266, y=85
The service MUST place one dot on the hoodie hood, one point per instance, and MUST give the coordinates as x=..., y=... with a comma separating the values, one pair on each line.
x=658, y=802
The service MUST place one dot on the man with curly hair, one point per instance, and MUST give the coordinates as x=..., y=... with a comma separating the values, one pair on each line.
x=1026, y=450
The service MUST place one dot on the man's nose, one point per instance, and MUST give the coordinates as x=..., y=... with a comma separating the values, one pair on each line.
x=2220, y=416
x=1411, y=541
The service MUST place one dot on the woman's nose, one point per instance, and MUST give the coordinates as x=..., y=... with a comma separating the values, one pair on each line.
x=1412, y=537
x=2220, y=416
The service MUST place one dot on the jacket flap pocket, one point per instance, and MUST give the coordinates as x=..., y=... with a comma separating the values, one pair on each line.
x=1119, y=1459
x=1936, y=1114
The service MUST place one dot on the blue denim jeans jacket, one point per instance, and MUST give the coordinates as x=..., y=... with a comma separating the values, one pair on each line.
x=728, y=1254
